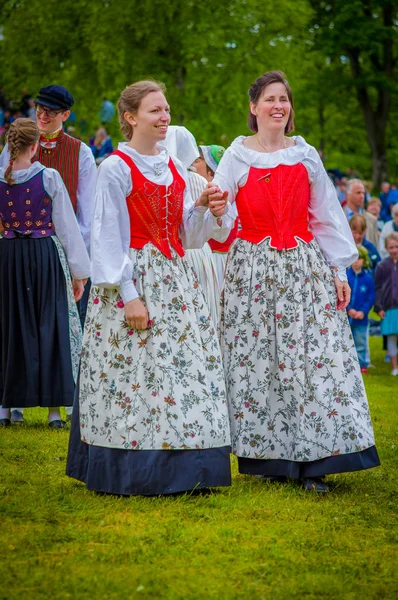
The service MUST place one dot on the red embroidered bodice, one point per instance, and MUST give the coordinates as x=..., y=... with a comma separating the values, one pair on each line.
x=155, y=210
x=274, y=203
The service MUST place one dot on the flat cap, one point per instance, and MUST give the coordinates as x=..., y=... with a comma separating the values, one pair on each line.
x=55, y=97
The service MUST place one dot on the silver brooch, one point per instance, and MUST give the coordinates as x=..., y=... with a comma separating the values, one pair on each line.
x=158, y=168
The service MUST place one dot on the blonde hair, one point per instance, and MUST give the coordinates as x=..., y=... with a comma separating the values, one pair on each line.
x=358, y=222
x=22, y=134
x=374, y=200
x=393, y=236
x=130, y=100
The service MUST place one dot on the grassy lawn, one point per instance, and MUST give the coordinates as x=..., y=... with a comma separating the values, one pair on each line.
x=252, y=541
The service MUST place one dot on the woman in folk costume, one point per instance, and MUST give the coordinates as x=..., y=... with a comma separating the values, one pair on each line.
x=297, y=403
x=151, y=416
x=40, y=333
x=75, y=163
x=181, y=144
x=211, y=156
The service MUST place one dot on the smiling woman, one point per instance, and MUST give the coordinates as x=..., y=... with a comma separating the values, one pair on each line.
x=271, y=104
x=297, y=402
x=151, y=416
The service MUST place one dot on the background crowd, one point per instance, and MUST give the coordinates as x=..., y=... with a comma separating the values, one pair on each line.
x=372, y=216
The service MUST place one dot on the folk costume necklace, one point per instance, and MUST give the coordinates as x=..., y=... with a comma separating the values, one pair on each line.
x=266, y=149
x=49, y=140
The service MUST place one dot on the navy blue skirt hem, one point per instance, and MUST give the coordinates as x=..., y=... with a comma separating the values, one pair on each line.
x=344, y=463
x=144, y=472
x=149, y=472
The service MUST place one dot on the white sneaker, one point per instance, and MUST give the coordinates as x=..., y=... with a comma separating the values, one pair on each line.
x=394, y=372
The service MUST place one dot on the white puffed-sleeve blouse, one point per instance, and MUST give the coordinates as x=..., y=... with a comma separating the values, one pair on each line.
x=63, y=216
x=111, y=265
x=326, y=217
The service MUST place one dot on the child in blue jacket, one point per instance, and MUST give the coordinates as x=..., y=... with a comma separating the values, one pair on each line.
x=362, y=300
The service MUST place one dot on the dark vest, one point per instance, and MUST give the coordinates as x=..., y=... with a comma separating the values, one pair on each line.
x=26, y=209
x=65, y=159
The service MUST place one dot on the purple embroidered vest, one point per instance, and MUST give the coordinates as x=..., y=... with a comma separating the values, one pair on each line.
x=26, y=209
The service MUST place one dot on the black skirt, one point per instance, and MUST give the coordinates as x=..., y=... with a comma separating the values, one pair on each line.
x=144, y=472
x=35, y=358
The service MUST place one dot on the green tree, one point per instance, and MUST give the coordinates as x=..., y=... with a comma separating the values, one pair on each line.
x=362, y=35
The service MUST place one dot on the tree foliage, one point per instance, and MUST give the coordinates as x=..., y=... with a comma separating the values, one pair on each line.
x=362, y=34
x=209, y=54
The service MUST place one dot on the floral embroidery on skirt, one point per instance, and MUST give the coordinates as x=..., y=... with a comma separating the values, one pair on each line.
x=75, y=328
x=294, y=387
x=162, y=388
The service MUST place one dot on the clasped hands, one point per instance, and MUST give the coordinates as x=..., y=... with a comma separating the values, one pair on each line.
x=136, y=313
x=214, y=199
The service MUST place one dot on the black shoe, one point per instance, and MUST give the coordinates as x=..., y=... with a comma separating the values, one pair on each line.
x=5, y=422
x=57, y=424
x=16, y=416
x=315, y=484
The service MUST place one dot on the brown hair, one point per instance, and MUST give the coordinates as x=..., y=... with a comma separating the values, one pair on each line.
x=358, y=221
x=393, y=236
x=374, y=200
x=256, y=90
x=130, y=100
x=22, y=134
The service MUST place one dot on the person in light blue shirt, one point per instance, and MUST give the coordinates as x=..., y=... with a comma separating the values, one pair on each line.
x=107, y=111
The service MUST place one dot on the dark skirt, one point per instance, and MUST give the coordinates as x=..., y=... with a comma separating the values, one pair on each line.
x=343, y=463
x=35, y=357
x=144, y=472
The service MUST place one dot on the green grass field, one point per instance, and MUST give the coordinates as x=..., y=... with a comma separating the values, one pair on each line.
x=254, y=540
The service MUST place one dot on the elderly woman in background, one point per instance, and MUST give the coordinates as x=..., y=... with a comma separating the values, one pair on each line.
x=101, y=146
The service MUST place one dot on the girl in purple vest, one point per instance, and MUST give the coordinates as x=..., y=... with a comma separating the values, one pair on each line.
x=40, y=334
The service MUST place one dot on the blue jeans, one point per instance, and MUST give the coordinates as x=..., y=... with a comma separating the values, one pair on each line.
x=361, y=335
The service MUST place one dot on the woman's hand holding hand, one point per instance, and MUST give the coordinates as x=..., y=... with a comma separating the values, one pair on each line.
x=137, y=315
x=78, y=288
x=203, y=199
x=343, y=291
x=214, y=199
x=381, y=314
x=217, y=200
x=218, y=203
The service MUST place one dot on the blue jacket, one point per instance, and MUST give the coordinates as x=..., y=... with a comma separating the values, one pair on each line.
x=385, y=213
x=362, y=295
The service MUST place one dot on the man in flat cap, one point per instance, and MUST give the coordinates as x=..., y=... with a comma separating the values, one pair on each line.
x=70, y=157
